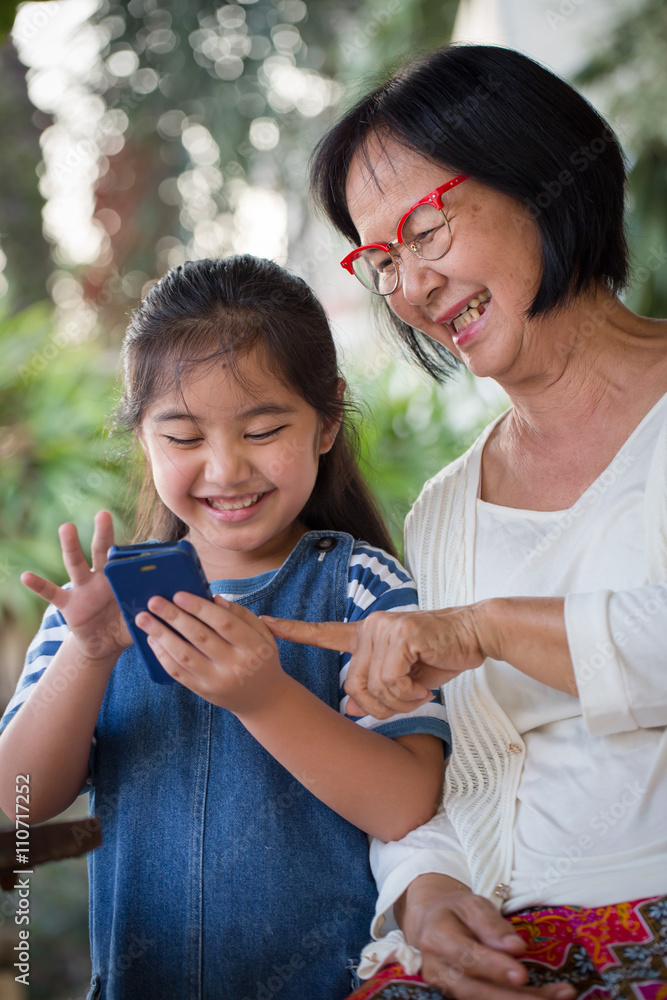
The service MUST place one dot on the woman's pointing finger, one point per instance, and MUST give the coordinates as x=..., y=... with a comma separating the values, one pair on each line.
x=340, y=636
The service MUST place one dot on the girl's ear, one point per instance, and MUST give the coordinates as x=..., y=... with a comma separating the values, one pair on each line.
x=330, y=429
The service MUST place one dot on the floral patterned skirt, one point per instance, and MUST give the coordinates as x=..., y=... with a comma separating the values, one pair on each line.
x=607, y=953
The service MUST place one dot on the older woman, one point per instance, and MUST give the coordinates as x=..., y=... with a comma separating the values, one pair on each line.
x=484, y=200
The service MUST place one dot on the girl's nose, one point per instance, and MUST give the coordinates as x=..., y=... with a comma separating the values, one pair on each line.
x=227, y=467
x=419, y=278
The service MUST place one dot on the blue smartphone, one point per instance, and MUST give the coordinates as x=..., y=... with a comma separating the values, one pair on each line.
x=138, y=572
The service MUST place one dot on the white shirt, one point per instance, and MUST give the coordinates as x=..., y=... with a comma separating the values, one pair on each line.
x=579, y=814
x=582, y=798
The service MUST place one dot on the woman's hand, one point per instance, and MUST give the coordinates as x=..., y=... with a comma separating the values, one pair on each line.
x=397, y=657
x=224, y=653
x=89, y=606
x=468, y=949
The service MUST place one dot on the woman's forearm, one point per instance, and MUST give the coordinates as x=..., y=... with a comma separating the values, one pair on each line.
x=529, y=633
x=50, y=736
x=386, y=787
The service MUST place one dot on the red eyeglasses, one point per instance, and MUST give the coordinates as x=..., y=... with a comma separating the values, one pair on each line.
x=424, y=230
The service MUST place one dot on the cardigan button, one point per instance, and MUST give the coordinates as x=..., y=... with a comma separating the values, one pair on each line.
x=502, y=891
x=513, y=748
x=325, y=544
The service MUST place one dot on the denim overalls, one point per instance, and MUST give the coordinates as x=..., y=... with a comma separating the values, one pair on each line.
x=220, y=876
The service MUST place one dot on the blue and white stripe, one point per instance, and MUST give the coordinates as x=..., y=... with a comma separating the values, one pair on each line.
x=377, y=582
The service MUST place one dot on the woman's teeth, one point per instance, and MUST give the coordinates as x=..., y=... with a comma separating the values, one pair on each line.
x=233, y=504
x=473, y=310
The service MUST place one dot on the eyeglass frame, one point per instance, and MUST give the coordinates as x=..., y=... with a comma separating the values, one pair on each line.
x=433, y=198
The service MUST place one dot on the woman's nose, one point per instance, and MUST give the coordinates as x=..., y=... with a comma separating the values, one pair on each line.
x=419, y=278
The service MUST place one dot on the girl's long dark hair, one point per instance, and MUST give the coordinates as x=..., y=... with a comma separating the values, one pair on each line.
x=213, y=312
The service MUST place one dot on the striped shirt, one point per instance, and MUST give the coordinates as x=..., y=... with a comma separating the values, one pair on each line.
x=376, y=582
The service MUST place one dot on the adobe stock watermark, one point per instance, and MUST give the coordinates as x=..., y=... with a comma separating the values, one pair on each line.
x=40, y=359
x=22, y=885
x=565, y=9
x=83, y=491
x=311, y=944
x=599, y=825
x=358, y=40
x=32, y=19
x=569, y=517
x=458, y=115
x=552, y=189
x=605, y=652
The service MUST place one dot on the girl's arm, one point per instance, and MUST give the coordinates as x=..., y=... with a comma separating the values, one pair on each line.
x=386, y=787
x=50, y=737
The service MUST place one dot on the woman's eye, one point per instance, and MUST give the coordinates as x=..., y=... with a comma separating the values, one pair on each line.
x=386, y=264
x=264, y=435
x=426, y=236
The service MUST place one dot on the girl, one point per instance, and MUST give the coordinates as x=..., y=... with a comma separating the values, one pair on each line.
x=233, y=860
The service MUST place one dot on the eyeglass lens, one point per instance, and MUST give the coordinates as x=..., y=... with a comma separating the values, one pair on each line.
x=426, y=234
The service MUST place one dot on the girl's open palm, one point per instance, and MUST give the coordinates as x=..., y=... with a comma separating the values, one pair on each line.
x=88, y=606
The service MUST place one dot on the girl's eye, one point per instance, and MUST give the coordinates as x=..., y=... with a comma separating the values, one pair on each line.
x=183, y=441
x=264, y=435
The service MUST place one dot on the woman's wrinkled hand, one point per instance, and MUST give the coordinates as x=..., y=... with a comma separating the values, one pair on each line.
x=468, y=949
x=397, y=657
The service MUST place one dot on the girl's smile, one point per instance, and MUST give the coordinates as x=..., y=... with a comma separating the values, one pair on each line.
x=237, y=508
x=235, y=456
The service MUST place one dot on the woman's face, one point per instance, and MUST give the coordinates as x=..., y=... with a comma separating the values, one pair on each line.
x=495, y=251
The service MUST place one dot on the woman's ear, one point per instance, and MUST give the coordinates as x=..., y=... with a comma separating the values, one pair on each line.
x=330, y=429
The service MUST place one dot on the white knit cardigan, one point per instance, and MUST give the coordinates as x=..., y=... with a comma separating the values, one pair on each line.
x=484, y=770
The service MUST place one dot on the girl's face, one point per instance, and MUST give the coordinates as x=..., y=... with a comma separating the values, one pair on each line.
x=495, y=251
x=236, y=460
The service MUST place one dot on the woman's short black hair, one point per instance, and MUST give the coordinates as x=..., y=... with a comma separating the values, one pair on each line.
x=511, y=124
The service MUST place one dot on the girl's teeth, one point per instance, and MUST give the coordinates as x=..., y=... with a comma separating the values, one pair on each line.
x=234, y=504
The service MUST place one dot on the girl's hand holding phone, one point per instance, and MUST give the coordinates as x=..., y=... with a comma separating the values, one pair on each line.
x=224, y=653
x=88, y=607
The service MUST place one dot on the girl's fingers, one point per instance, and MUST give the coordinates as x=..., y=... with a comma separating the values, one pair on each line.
x=73, y=558
x=243, y=614
x=178, y=656
x=166, y=660
x=233, y=623
x=102, y=539
x=44, y=588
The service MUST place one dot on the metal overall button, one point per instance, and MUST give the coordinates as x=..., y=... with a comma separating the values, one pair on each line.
x=325, y=544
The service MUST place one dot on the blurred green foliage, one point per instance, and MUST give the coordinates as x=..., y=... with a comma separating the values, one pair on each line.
x=406, y=437
x=632, y=71
x=54, y=397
